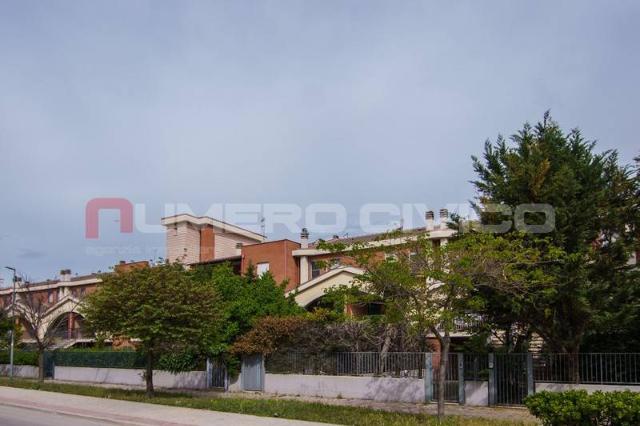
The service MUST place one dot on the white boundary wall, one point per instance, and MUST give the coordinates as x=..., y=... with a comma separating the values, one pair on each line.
x=25, y=371
x=374, y=388
x=132, y=377
x=476, y=393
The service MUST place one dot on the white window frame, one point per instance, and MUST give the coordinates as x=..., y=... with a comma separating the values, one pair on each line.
x=262, y=268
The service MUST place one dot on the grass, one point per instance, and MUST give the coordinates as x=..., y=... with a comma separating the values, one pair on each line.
x=287, y=409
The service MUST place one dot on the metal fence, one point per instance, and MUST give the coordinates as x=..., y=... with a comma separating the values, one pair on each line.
x=588, y=368
x=391, y=364
x=476, y=367
x=97, y=359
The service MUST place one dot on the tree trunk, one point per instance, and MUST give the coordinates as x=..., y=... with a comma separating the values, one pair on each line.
x=574, y=359
x=40, y=365
x=148, y=374
x=385, y=349
x=442, y=371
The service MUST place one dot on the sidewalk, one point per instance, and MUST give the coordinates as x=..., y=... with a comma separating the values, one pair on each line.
x=519, y=414
x=130, y=413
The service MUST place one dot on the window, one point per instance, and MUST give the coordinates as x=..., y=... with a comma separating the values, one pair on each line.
x=51, y=296
x=262, y=268
x=316, y=270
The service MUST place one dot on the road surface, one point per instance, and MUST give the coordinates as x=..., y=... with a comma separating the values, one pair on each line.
x=15, y=416
x=27, y=407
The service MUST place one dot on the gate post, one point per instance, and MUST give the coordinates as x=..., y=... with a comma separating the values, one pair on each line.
x=209, y=373
x=428, y=377
x=530, y=384
x=492, y=380
x=263, y=373
x=461, y=395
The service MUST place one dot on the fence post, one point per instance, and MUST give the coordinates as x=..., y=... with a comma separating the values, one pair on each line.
x=492, y=380
x=226, y=377
x=530, y=383
x=428, y=377
x=263, y=373
x=461, y=395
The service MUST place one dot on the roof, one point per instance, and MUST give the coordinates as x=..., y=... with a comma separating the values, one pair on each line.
x=216, y=223
x=370, y=237
x=218, y=260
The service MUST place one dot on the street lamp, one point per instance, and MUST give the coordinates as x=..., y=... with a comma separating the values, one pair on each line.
x=13, y=325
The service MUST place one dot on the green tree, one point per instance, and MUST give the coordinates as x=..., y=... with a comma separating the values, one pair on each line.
x=164, y=308
x=430, y=288
x=245, y=299
x=596, y=225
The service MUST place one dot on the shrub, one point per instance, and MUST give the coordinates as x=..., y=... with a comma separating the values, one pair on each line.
x=578, y=408
x=181, y=361
x=20, y=358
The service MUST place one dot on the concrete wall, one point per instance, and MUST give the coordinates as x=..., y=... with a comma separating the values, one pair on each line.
x=559, y=387
x=121, y=376
x=476, y=393
x=26, y=371
x=375, y=388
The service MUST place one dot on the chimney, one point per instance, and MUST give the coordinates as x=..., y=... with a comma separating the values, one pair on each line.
x=428, y=216
x=444, y=218
x=304, y=238
x=65, y=275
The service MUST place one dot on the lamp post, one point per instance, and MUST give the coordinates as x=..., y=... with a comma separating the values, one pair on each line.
x=13, y=325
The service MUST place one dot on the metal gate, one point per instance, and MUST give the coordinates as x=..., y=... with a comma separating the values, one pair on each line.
x=511, y=379
x=451, y=378
x=217, y=373
x=49, y=364
x=252, y=374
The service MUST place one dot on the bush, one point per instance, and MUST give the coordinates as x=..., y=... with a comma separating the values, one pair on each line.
x=20, y=358
x=578, y=408
x=180, y=361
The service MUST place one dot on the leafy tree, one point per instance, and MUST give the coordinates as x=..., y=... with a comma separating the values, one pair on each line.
x=165, y=308
x=596, y=225
x=245, y=299
x=430, y=288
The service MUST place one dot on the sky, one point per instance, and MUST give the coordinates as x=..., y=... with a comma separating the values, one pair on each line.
x=299, y=102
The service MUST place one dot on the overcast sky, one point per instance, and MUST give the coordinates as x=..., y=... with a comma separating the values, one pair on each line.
x=299, y=102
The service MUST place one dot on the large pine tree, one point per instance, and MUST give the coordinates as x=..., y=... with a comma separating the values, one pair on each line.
x=595, y=200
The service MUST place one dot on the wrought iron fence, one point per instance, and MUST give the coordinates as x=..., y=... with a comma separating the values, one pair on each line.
x=588, y=368
x=390, y=364
x=476, y=367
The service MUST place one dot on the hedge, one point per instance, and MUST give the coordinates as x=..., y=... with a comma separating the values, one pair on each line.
x=95, y=359
x=579, y=408
x=126, y=359
x=20, y=358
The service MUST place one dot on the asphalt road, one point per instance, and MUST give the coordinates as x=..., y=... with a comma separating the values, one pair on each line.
x=14, y=416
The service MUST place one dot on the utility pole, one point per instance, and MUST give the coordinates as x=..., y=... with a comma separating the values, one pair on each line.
x=13, y=324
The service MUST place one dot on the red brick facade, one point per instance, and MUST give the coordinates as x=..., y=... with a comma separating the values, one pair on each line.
x=279, y=255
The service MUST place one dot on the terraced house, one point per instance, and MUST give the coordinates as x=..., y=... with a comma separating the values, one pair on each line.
x=307, y=270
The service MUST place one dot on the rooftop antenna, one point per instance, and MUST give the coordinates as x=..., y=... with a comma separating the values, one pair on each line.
x=262, y=225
